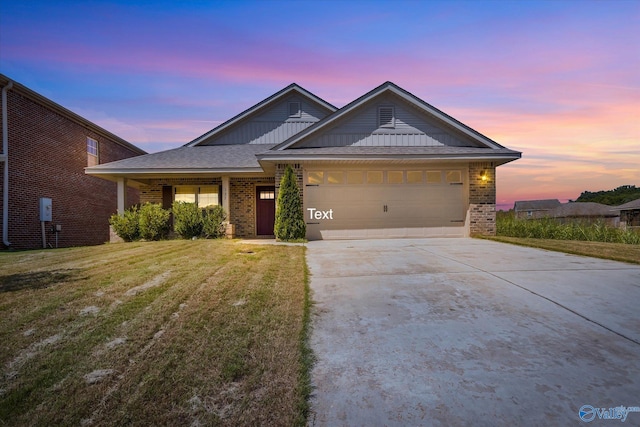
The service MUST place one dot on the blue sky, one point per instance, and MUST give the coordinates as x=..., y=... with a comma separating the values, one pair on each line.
x=557, y=80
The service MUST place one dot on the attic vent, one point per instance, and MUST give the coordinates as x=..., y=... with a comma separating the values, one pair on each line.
x=294, y=109
x=386, y=117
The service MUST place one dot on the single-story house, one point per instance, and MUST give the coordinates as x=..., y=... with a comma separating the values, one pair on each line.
x=630, y=214
x=585, y=211
x=47, y=199
x=387, y=164
x=533, y=209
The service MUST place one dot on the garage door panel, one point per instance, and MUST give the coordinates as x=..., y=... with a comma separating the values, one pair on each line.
x=386, y=210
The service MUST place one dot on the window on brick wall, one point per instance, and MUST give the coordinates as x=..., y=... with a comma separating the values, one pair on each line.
x=205, y=196
x=92, y=152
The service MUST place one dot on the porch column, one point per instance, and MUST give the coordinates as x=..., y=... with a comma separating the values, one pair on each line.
x=225, y=194
x=122, y=195
x=226, y=205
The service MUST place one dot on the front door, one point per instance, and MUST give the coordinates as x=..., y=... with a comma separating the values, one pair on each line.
x=265, y=210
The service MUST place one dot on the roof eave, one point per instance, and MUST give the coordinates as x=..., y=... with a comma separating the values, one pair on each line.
x=65, y=112
x=502, y=158
x=169, y=171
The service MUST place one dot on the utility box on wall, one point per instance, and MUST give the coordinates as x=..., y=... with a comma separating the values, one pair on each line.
x=45, y=209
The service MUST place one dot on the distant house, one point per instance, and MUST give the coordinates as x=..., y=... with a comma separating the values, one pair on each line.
x=532, y=209
x=387, y=164
x=585, y=211
x=45, y=149
x=630, y=214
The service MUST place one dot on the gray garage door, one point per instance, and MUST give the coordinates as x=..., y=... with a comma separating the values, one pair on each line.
x=347, y=204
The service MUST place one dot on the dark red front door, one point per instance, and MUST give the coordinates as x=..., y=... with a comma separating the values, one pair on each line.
x=265, y=210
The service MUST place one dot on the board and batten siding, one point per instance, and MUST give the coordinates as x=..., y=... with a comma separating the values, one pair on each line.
x=272, y=126
x=411, y=129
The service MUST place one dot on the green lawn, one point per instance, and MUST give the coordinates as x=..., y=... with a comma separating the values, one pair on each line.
x=614, y=251
x=206, y=332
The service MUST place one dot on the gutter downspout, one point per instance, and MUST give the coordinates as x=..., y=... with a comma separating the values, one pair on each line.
x=5, y=158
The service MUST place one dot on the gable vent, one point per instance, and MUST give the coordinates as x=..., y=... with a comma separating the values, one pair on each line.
x=386, y=117
x=294, y=109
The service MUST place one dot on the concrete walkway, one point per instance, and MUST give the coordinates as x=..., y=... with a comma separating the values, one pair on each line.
x=449, y=332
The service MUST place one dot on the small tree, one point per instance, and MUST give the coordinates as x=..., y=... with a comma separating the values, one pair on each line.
x=126, y=225
x=289, y=223
x=187, y=219
x=154, y=221
x=213, y=222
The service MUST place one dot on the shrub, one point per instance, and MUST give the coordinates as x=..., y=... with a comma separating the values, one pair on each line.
x=154, y=222
x=549, y=228
x=187, y=219
x=127, y=225
x=289, y=223
x=213, y=222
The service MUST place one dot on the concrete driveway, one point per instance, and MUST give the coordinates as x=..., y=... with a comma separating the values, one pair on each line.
x=451, y=332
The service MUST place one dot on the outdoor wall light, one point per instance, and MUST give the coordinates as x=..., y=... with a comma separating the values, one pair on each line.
x=484, y=177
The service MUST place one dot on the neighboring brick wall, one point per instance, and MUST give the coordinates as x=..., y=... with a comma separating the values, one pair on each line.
x=47, y=157
x=482, y=199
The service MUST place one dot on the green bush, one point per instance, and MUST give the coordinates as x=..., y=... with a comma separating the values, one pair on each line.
x=213, y=222
x=154, y=222
x=127, y=225
x=187, y=219
x=289, y=223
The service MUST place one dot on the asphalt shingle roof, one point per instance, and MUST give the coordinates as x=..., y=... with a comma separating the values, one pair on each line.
x=634, y=204
x=536, y=205
x=585, y=209
x=200, y=157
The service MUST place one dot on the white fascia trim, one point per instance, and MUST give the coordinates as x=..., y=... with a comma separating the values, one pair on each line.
x=263, y=103
x=387, y=157
x=167, y=171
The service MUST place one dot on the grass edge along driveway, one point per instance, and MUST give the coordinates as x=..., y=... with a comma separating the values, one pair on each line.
x=613, y=251
x=207, y=332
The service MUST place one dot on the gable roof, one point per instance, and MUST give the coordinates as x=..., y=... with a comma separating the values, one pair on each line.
x=536, y=205
x=583, y=209
x=389, y=87
x=632, y=205
x=260, y=106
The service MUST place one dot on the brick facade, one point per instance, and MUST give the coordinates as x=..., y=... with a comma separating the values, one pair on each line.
x=47, y=157
x=482, y=199
x=242, y=198
x=243, y=204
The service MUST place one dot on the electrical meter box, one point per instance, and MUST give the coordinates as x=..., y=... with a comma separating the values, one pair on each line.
x=45, y=209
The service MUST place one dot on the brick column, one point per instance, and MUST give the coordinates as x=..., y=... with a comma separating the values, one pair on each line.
x=482, y=199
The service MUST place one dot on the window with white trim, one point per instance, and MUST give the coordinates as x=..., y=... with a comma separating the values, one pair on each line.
x=92, y=152
x=386, y=116
x=206, y=196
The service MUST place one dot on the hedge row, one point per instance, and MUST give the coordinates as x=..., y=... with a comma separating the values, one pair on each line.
x=151, y=222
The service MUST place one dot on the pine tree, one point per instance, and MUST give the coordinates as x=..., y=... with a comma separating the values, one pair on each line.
x=289, y=224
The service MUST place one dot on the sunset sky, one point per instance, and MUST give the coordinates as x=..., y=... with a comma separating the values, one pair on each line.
x=557, y=80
